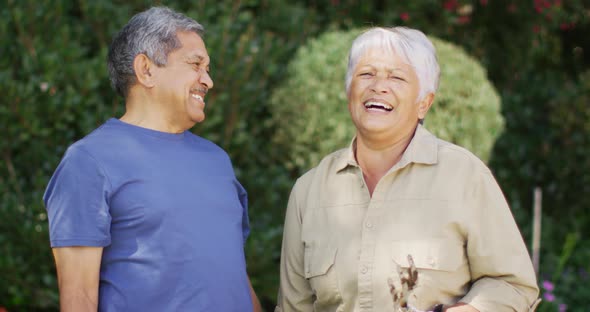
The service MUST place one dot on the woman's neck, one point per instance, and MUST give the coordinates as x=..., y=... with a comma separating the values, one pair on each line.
x=376, y=157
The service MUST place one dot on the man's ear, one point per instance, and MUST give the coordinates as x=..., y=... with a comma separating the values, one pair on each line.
x=425, y=105
x=144, y=70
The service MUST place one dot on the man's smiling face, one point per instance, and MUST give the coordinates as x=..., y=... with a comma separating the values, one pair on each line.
x=184, y=81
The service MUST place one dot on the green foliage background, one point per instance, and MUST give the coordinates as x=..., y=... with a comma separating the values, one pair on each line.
x=54, y=88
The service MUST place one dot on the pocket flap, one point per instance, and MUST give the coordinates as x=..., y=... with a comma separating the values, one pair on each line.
x=433, y=254
x=318, y=259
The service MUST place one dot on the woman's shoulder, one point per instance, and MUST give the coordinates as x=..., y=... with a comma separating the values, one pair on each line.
x=455, y=156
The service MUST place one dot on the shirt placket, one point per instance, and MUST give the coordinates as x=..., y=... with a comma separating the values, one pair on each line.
x=366, y=269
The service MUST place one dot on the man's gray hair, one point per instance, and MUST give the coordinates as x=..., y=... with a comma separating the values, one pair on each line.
x=151, y=32
x=411, y=44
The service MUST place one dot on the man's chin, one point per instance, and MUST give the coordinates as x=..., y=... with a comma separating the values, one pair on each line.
x=197, y=119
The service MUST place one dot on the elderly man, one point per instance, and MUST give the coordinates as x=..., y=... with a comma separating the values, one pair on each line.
x=398, y=191
x=143, y=214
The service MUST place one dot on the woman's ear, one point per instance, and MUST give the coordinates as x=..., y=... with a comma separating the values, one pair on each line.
x=144, y=70
x=425, y=105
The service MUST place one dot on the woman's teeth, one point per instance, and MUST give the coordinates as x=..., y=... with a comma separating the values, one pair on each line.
x=378, y=105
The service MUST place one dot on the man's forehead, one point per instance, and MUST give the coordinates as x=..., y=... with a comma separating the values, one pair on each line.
x=192, y=46
x=197, y=56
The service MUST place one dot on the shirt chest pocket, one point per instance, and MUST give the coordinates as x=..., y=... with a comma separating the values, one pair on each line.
x=431, y=254
x=319, y=260
x=441, y=263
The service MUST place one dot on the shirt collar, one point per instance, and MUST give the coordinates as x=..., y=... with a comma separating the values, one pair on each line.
x=423, y=149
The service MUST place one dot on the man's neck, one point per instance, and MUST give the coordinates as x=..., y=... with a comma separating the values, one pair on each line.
x=142, y=111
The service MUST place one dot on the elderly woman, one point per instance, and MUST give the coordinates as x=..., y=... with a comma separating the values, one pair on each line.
x=399, y=191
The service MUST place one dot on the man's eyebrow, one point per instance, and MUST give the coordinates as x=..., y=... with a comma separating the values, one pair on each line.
x=195, y=57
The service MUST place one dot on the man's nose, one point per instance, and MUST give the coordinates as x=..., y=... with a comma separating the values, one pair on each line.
x=206, y=80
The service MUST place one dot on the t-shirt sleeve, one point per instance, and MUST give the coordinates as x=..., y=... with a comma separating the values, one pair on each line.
x=76, y=202
x=243, y=195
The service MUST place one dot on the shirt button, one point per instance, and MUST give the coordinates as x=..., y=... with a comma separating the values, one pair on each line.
x=364, y=269
x=431, y=261
x=368, y=224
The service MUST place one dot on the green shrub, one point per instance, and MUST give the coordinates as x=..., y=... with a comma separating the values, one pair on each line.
x=311, y=105
x=55, y=88
x=568, y=142
x=569, y=119
x=546, y=145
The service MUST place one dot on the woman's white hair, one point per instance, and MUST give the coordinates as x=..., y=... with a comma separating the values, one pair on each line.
x=411, y=44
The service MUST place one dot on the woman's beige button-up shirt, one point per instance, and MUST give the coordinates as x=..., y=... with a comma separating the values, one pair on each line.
x=439, y=204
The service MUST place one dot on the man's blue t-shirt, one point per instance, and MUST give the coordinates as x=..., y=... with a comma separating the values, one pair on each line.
x=169, y=212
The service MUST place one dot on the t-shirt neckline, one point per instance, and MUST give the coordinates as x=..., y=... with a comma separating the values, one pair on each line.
x=145, y=131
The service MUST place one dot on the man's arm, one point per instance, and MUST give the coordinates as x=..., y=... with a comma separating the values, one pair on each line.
x=255, y=302
x=78, y=270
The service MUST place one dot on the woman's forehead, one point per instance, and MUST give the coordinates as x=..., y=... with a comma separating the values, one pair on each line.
x=379, y=54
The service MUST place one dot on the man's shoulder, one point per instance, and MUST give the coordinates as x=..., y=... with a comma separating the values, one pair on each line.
x=198, y=140
x=92, y=142
x=205, y=145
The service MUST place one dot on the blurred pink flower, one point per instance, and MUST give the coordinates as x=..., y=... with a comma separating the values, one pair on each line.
x=562, y=307
x=483, y=2
x=450, y=5
x=549, y=297
x=462, y=20
x=405, y=16
x=548, y=286
x=546, y=4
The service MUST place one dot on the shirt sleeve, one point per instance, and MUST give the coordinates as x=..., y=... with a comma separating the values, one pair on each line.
x=501, y=270
x=295, y=293
x=76, y=202
x=243, y=196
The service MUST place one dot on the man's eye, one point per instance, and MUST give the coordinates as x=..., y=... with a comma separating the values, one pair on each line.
x=366, y=74
x=398, y=78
